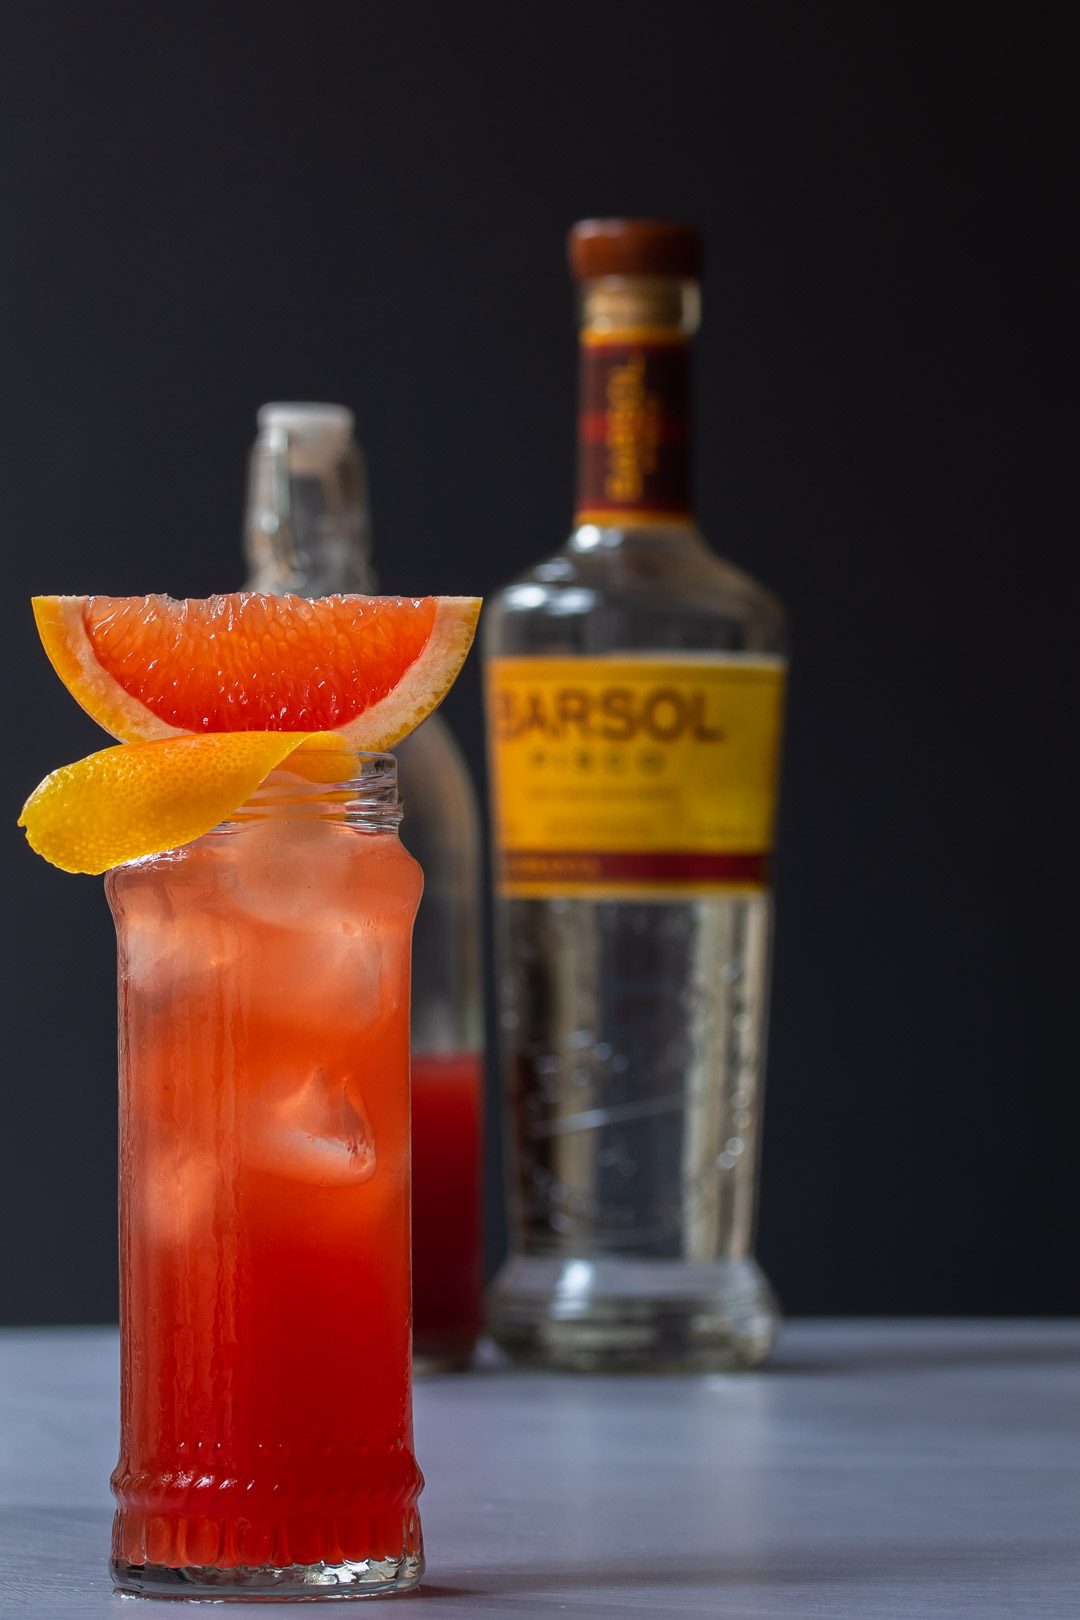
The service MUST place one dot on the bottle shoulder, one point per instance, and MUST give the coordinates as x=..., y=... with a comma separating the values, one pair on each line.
x=623, y=590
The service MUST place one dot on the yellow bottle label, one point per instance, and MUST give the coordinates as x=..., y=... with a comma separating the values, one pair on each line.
x=631, y=777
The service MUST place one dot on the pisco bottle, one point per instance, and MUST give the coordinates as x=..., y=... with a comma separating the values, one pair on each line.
x=634, y=695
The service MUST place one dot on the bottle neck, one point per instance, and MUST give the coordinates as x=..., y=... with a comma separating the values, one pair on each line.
x=635, y=418
x=307, y=527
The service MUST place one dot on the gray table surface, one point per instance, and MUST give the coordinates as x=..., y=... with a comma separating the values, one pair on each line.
x=873, y=1470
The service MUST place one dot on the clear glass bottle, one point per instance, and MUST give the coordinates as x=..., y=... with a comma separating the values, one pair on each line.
x=307, y=531
x=634, y=691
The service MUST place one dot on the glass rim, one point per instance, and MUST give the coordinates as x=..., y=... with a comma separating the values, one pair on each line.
x=336, y=770
x=360, y=783
x=378, y=756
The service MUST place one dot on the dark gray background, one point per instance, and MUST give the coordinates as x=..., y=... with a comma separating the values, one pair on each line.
x=206, y=206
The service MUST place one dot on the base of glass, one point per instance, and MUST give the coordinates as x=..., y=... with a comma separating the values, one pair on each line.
x=366, y=1578
x=611, y=1315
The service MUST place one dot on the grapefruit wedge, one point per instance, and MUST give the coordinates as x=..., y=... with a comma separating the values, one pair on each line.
x=369, y=668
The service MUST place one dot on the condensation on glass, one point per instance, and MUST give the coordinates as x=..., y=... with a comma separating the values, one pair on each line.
x=266, y=1433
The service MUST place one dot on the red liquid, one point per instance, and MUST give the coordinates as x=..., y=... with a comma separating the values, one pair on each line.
x=266, y=1399
x=446, y=1144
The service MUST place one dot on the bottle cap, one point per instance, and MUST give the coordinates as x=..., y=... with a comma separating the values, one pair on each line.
x=633, y=247
x=306, y=423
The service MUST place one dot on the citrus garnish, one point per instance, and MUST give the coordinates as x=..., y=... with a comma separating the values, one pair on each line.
x=208, y=697
x=368, y=667
x=142, y=798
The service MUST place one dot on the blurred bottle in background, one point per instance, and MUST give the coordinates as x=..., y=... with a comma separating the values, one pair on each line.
x=635, y=685
x=307, y=530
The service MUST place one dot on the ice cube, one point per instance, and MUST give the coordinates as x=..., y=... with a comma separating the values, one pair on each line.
x=342, y=978
x=176, y=957
x=171, y=1197
x=342, y=974
x=294, y=871
x=319, y=1132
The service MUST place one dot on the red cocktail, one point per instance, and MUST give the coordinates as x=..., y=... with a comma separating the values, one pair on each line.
x=266, y=1438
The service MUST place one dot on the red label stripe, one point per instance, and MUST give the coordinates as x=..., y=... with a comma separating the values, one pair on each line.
x=656, y=866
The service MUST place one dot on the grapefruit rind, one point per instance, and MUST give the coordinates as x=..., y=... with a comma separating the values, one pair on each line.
x=140, y=799
x=424, y=684
x=420, y=689
x=59, y=620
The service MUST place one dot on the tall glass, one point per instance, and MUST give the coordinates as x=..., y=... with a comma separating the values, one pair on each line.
x=266, y=1431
